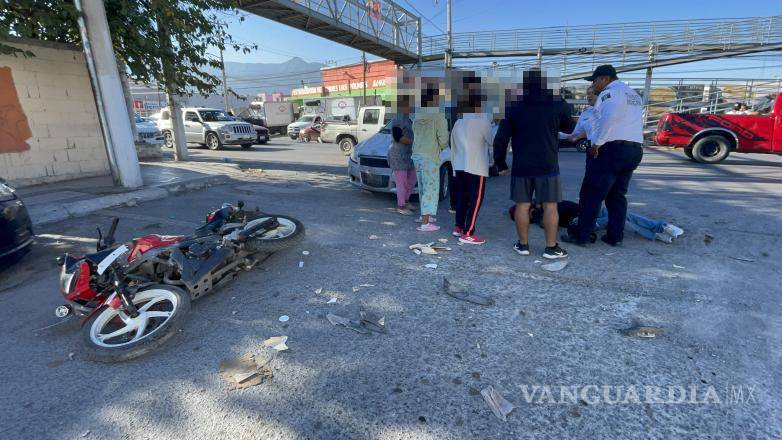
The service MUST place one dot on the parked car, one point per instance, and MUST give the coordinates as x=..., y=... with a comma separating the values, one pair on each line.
x=263, y=134
x=210, y=127
x=709, y=138
x=16, y=228
x=348, y=134
x=148, y=131
x=302, y=123
x=368, y=166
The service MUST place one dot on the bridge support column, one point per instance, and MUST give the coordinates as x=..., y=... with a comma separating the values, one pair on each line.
x=648, y=84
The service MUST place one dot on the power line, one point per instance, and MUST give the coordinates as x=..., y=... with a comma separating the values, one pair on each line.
x=424, y=16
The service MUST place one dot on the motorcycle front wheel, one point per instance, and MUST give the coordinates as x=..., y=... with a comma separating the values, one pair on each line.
x=289, y=233
x=112, y=336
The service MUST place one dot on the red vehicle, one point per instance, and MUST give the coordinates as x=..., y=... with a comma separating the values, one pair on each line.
x=709, y=138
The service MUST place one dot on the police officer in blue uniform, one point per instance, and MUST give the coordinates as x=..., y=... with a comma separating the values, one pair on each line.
x=615, y=153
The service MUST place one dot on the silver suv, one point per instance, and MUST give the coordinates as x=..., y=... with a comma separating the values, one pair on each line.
x=210, y=127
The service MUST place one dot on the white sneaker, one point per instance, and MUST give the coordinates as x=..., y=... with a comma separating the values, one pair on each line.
x=673, y=230
x=664, y=237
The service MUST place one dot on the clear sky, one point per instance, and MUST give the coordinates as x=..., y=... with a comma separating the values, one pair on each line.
x=278, y=42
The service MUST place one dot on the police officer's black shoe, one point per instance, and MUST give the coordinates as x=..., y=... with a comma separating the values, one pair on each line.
x=605, y=240
x=567, y=238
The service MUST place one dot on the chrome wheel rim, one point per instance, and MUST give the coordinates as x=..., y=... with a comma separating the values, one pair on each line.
x=114, y=328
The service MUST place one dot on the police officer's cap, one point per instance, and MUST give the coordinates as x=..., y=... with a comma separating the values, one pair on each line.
x=604, y=70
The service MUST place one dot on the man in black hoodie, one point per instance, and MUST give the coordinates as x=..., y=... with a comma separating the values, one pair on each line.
x=532, y=123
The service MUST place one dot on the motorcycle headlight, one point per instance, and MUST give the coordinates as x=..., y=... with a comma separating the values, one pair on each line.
x=6, y=193
x=67, y=277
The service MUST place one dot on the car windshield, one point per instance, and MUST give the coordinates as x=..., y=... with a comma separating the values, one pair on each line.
x=387, y=128
x=306, y=118
x=214, y=115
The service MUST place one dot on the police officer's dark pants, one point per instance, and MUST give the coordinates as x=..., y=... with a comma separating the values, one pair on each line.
x=607, y=178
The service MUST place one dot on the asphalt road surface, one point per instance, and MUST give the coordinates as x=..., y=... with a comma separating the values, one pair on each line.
x=714, y=293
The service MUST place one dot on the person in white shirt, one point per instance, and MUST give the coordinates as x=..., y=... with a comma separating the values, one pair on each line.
x=616, y=151
x=471, y=146
x=586, y=121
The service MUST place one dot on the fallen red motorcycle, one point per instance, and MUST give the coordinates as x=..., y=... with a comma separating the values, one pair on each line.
x=136, y=296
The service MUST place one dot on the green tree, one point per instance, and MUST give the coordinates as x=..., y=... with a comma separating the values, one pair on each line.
x=160, y=41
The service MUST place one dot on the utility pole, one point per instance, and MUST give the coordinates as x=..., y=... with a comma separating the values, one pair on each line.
x=109, y=97
x=222, y=67
x=449, y=50
x=364, y=63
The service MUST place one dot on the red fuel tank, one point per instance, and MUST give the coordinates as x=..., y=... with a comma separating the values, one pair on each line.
x=152, y=241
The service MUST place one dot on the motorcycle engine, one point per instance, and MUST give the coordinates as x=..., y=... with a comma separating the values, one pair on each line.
x=199, y=250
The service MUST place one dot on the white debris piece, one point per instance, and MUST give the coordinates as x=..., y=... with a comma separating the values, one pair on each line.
x=442, y=240
x=318, y=290
x=332, y=300
x=277, y=343
x=373, y=237
x=301, y=264
x=499, y=406
x=555, y=266
x=284, y=318
x=430, y=266
x=305, y=252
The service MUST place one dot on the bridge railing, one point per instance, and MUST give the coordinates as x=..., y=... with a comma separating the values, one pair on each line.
x=384, y=20
x=677, y=36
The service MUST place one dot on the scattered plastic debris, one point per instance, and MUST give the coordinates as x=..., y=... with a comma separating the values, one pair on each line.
x=459, y=291
x=430, y=266
x=537, y=261
x=341, y=320
x=71, y=356
x=747, y=259
x=318, y=290
x=608, y=254
x=277, y=343
x=284, y=318
x=678, y=267
x=555, y=266
x=708, y=238
x=642, y=331
x=442, y=240
x=355, y=289
x=428, y=248
x=366, y=285
x=245, y=371
x=498, y=405
x=388, y=223
x=305, y=252
x=85, y=433
x=417, y=251
x=301, y=264
x=373, y=322
x=373, y=237
x=234, y=312
x=333, y=300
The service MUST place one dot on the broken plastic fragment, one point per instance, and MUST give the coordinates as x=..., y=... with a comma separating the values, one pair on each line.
x=442, y=240
x=284, y=318
x=244, y=371
x=430, y=266
x=678, y=267
x=388, y=223
x=747, y=259
x=301, y=264
x=305, y=252
x=417, y=251
x=373, y=322
x=373, y=237
x=555, y=266
x=643, y=331
x=341, y=320
x=332, y=301
x=459, y=291
x=498, y=405
x=355, y=289
x=318, y=290
x=277, y=343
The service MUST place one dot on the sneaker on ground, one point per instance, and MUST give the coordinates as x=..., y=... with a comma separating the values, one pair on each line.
x=431, y=219
x=471, y=239
x=428, y=227
x=521, y=249
x=555, y=252
x=664, y=237
x=457, y=231
x=673, y=230
x=404, y=211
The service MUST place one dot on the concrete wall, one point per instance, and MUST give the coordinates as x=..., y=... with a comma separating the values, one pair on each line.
x=53, y=97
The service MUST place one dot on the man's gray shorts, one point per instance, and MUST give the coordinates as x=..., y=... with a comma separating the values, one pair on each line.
x=541, y=189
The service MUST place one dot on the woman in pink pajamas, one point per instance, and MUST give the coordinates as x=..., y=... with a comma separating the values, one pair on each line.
x=399, y=155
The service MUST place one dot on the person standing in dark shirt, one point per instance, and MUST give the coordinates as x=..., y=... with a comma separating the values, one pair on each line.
x=532, y=123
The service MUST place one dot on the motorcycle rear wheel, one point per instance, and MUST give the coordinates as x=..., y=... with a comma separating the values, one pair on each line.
x=288, y=234
x=112, y=336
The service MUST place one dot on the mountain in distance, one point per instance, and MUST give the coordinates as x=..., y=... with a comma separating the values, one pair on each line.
x=253, y=78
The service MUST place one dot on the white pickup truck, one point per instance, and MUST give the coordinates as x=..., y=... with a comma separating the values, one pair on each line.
x=348, y=134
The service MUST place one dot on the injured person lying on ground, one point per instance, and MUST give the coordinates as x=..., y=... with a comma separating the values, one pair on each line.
x=645, y=227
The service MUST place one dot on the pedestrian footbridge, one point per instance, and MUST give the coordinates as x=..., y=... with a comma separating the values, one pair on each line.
x=381, y=28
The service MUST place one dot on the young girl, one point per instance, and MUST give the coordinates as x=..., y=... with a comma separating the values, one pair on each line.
x=399, y=155
x=430, y=131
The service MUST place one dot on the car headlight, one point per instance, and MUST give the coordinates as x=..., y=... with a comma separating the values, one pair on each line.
x=6, y=193
x=223, y=130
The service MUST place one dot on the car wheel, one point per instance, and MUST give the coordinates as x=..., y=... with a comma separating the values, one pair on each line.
x=445, y=187
x=168, y=139
x=688, y=152
x=213, y=141
x=711, y=149
x=293, y=137
x=346, y=145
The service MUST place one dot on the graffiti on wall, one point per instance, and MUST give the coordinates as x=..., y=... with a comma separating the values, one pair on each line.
x=14, y=129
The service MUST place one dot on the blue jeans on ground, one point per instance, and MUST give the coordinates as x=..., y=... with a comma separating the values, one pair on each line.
x=645, y=227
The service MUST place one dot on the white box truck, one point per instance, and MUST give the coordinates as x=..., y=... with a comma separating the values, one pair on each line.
x=276, y=115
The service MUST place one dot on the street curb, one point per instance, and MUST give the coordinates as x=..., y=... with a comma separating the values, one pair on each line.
x=52, y=213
